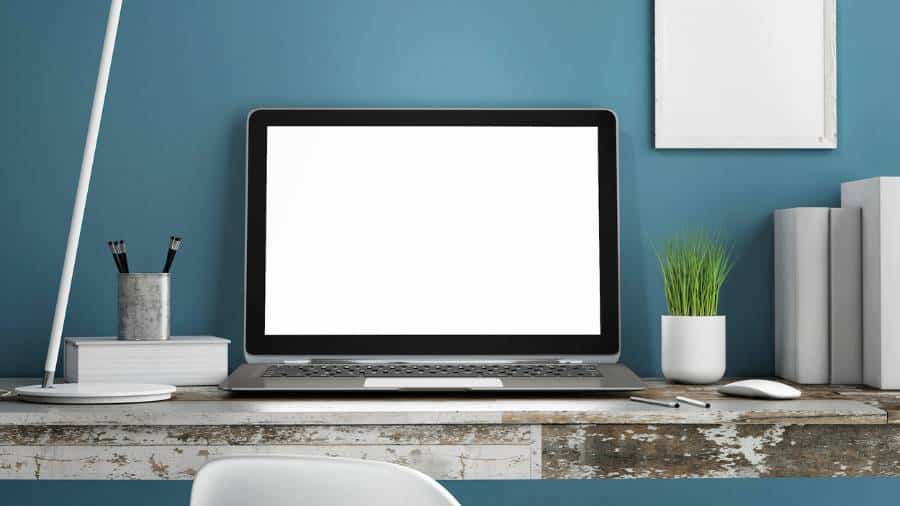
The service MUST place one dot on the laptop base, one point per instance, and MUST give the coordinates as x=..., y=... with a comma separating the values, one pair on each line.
x=252, y=377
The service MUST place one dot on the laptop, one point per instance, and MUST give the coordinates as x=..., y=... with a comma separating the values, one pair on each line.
x=432, y=250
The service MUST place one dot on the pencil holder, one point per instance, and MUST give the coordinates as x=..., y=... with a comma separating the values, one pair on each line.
x=144, y=306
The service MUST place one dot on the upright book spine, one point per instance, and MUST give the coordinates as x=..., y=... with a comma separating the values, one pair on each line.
x=802, y=294
x=846, y=296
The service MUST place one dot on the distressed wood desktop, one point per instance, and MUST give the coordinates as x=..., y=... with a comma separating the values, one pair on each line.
x=831, y=431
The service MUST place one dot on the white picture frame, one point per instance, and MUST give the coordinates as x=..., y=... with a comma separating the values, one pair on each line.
x=745, y=74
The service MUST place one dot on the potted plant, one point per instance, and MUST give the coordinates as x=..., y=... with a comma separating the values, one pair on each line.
x=694, y=267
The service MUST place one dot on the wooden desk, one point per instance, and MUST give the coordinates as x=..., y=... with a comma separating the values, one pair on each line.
x=832, y=431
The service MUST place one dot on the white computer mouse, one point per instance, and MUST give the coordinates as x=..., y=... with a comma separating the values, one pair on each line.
x=760, y=389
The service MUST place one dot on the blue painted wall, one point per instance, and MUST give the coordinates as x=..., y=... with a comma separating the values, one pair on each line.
x=171, y=148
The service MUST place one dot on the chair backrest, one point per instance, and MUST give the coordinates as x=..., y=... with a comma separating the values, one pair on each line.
x=313, y=481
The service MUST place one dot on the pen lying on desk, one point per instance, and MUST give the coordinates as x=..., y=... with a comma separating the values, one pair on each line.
x=692, y=402
x=668, y=404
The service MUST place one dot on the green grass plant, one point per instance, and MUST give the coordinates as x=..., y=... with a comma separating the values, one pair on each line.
x=694, y=266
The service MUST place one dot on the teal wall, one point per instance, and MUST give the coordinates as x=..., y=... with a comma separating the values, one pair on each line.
x=171, y=148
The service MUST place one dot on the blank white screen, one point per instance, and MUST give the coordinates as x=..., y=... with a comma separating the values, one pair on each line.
x=432, y=230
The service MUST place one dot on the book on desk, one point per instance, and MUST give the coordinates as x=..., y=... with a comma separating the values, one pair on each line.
x=179, y=360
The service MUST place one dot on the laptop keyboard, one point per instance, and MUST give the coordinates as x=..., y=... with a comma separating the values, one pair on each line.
x=431, y=370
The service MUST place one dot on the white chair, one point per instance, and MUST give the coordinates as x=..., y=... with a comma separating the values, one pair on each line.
x=313, y=481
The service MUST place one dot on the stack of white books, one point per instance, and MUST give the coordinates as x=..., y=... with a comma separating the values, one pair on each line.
x=818, y=300
x=879, y=199
x=179, y=361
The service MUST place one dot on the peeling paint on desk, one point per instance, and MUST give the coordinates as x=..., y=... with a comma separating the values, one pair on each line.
x=448, y=462
x=720, y=451
x=237, y=435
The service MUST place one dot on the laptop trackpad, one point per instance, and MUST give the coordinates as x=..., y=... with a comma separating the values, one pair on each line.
x=433, y=383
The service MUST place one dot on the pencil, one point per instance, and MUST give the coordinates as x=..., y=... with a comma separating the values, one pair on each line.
x=119, y=254
x=124, y=256
x=112, y=249
x=174, y=244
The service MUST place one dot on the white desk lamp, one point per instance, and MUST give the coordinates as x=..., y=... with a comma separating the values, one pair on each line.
x=87, y=393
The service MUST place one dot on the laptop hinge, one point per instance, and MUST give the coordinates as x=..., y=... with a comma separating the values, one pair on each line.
x=430, y=361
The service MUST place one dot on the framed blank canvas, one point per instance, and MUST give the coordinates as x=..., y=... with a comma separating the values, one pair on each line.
x=745, y=74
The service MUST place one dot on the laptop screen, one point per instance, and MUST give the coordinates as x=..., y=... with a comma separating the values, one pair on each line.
x=432, y=230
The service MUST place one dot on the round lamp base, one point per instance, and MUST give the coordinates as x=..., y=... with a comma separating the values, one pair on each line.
x=95, y=393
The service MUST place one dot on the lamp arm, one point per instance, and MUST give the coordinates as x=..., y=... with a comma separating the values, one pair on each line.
x=84, y=181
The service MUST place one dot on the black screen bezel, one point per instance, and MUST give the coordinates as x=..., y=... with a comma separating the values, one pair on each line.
x=256, y=342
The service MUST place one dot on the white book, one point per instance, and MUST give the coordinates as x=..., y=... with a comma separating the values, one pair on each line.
x=179, y=361
x=879, y=199
x=802, y=352
x=846, y=296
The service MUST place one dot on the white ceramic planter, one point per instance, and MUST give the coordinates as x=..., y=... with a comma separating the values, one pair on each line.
x=693, y=348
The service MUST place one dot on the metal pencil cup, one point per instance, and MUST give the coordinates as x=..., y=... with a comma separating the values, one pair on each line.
x=145, y=306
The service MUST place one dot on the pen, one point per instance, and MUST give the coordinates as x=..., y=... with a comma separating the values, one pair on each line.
x=114, y=255
x=668, y=404
x=692, y=402
x=174, y=244
x=119, y=255
x=124, y=256
x=115, y=247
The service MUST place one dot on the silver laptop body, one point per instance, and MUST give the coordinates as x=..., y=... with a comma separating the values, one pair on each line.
x=354, y=354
